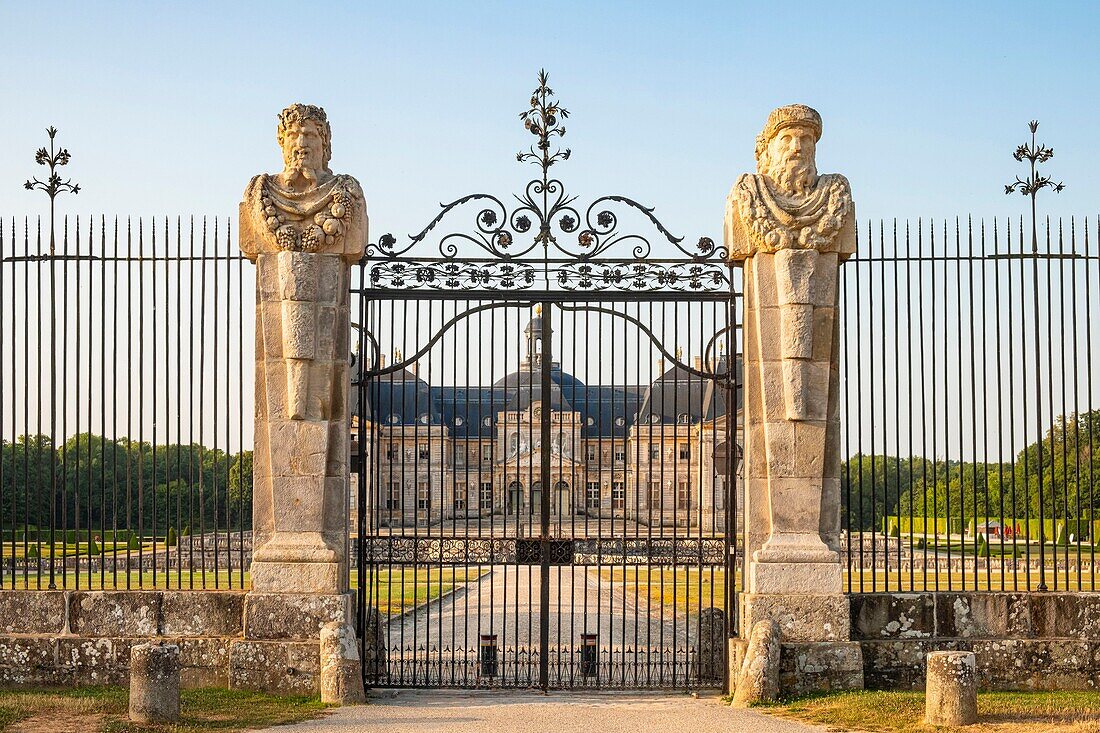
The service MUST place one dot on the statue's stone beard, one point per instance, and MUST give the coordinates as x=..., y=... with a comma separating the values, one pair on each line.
x=793, y=177
x=298, y=169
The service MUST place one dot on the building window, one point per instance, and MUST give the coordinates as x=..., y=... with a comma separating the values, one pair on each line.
x=422, y=451
x=392, y=452
x=590, y=453
x=655, y=493
x=393, y=497
x=423, y=497
x=620, y=454
x=683, y=495
x=460, y=455
x=486, y=454
x=460, y=497
x=592, y=495
x=685, y=451
x=618, y=495
x=654, y=453
x=487, y=496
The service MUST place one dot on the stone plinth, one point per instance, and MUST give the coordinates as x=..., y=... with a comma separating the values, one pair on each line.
x=303, y=228
x=951, y=690
x=155, y=683
x=790, y=229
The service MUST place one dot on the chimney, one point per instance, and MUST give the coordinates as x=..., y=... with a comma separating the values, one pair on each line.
x=660, y=366
x=698, y=363
x=383, y=361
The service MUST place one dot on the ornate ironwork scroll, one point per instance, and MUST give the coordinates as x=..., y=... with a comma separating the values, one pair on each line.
x=547, y=233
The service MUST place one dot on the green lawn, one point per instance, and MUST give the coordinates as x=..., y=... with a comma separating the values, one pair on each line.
x=903, y=712
x=400, y=589
x=104, y=710
x=689, y=589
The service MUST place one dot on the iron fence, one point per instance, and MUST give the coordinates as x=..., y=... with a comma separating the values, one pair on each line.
x=125, y=404
x=125, y=418
x=969, y=399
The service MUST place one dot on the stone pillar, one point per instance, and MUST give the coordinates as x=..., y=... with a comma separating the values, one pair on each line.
x=951, y=689
x=791, y=229
x=155, y=683
x=303, y=228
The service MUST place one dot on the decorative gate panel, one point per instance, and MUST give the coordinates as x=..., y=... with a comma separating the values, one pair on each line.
x=546, y=445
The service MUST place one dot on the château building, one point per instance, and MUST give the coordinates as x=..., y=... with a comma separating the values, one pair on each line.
x=650, y=454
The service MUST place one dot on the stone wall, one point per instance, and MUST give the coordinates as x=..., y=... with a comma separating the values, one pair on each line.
x=1022, y=641
x=231, y=639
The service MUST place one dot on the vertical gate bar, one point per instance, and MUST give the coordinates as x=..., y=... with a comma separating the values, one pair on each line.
x=544, y=529
x=242, y=568
x=89, y=517
x=1050, y=402
x=4, y=236
x=1000, y=399
x=76, y=444
x=154, y=390
x=1012, y=420
x=909, y=389
x=228, y=424
x=1089, y=267
x=1076, y=394
x=494, y=561
x=179, y=399
x=27, y=410
x=1024, y=382
x=897, y=419
x=985, y=402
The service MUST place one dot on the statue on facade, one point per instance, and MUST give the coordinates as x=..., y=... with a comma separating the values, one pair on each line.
x=303, y=227
x=791, y=228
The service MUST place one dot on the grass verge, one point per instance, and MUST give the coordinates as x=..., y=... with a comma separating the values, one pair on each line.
x=901, y=712
x=104, y=710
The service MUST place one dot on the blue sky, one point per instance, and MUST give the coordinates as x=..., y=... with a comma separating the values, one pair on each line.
x=170, y=107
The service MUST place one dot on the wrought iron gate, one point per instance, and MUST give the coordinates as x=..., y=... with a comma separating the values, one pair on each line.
x=546, y=446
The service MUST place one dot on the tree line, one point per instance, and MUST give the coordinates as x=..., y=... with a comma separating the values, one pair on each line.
x=876, y=486
x=95, y=482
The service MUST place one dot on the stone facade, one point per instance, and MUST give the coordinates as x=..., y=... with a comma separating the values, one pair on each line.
x=645, y=453
x=303, y=228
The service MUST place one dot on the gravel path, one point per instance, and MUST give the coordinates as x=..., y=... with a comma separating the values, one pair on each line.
x=415, y=711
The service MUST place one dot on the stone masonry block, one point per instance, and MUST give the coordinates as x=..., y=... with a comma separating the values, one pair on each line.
x=806, y=668
x=32, y=611
x=983, y=615
x=114, y=613
x=27, y=651
x=289, y=616
x=800, y=617
x=899, y=664
x=893, y=616
x=275, y=666
x=92, y=661
x=187, y=613
x=1072, y=615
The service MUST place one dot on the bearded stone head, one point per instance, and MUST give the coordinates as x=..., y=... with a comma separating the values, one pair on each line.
x=306, y=140
x=785, y=149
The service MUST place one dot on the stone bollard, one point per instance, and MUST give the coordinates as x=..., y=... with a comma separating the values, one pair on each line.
x=758, y=680
x=155, y=683
x=341, y=669
x=950, y=689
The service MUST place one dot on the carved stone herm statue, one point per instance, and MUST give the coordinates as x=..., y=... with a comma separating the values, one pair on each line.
x=303, y=228
x=791, y=228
